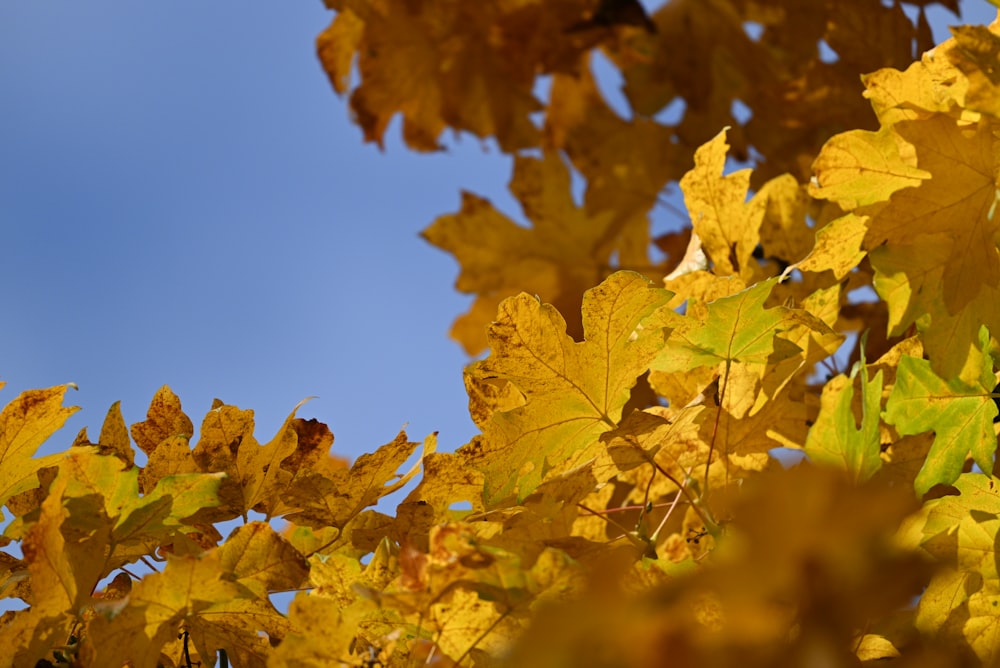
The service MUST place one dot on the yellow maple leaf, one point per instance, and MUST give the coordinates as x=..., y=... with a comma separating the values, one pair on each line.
x=470, y=67
x=975, y=53
x=565, y=252
x=446, y=482
x=63, y=574
x=929, y=217
x=324, y=630
x=114, y=437
x=164, y=419
x=255, y=475
x=25, y=423
x=960, y=602
x=626, y=163
x=727, y=226
x=334, y=498
x=193, y=593
x=702, y=55
x=262, y=561
x=574, y=391
x=957, y=204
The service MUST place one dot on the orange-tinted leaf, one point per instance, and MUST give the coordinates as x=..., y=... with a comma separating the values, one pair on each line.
x=333, y=501
x=255, y=475
x=114, y=435
x=164, y=420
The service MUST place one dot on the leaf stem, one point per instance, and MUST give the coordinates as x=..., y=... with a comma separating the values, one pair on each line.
x=715, y=428
x=699, y=507
x=482, y=635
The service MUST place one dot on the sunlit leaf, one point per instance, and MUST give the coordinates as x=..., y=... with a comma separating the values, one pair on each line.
x=837, y=438
x=574, y=391
x=25, y=423
x=960, y=415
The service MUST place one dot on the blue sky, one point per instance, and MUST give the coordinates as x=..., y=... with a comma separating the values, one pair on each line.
x=184, y=201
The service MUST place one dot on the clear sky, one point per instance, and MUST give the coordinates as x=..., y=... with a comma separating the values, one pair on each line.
x=184, y=201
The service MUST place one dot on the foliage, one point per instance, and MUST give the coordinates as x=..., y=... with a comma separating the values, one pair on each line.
x=623, y=503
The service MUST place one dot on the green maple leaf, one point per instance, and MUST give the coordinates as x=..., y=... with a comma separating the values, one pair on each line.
x=736, y=329
x=835, y=438
x=574, y=391
x=100, y=494
x=959, y=413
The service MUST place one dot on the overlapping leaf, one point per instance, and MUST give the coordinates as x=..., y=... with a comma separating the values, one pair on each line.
x=960, y=414
x=565, y=252
x=926, y=185
x=704, y=55
x=255, y=478
x=192, y=593
x=25, y=423
x=626, y=163
x=961, y=533
x=735, y=329
x=574, y=391
x=837, y=438
x=332, y=499
x=450, y=64
x=63, y=573
x=727, y=226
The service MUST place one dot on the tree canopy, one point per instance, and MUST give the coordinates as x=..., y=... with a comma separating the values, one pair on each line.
x=624, y=502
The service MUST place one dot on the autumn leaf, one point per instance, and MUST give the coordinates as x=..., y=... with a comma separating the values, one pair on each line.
x=734, y=329
x=957, y=202
x=164, y=420
x=926, y=182
x=779, y=586
x=255, y=478
x=960, y=415
x=838, y=247
x=63, y=574
x=626, y=163
x=836, y=438
x=446, y=481
x=26, y=423
x=860, y=168
x=104, y=500
x=333, y=499
x=194, y=593
x=961, y=533
x=574, y=391
x=449, y=65
x=262, y=561
x=566, y=251
x=975, y=53
x=703, y=55
x=727, y=226
x=114, y=437
x=324, y=630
